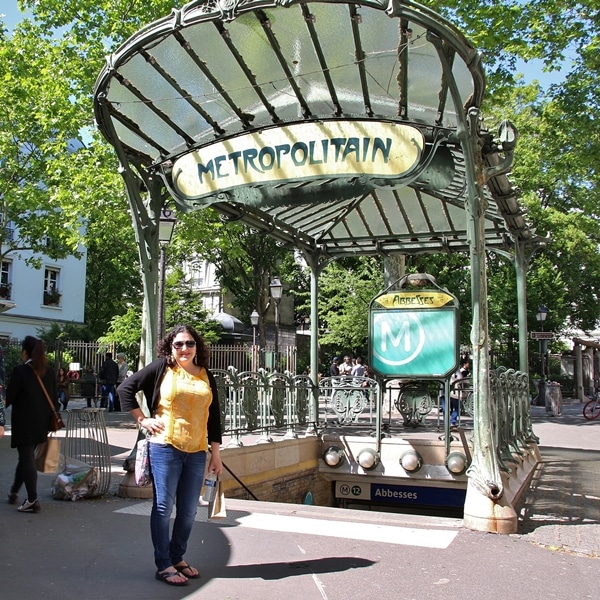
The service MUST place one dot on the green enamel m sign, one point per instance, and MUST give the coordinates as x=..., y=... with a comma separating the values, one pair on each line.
x=414, y=334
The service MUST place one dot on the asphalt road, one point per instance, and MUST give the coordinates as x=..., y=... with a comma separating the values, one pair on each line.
x=100, y=549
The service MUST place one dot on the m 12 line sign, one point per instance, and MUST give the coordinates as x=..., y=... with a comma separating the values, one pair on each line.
x=414, y=334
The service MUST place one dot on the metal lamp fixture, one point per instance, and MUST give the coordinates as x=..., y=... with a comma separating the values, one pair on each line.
x=542, y=314
x=166, y=225
x=411, y=461
x=333, y=456
x=276, y=288
x=254, y=316
x=368, y=459
x=456, y=463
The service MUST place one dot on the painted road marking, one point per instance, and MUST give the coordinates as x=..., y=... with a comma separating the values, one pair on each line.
x=368, y=532
x=404, y=536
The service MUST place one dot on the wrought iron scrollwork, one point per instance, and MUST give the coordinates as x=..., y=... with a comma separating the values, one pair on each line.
x=414, y=403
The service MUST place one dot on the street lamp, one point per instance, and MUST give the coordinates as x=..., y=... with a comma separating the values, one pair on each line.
x=166, y=225
x=276, y=288
x=542, y=314
x=254, y=320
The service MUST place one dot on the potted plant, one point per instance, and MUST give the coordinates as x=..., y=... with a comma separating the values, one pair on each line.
x=52, y=297
x=5, y=290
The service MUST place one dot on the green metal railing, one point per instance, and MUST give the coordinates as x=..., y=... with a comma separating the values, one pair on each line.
x=261, y=403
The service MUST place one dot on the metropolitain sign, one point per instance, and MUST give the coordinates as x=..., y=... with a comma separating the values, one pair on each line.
x=300, y=151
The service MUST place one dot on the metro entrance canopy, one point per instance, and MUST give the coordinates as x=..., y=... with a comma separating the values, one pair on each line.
x=274, y=109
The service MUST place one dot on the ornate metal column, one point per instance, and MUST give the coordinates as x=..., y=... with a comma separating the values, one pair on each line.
x=485, y=507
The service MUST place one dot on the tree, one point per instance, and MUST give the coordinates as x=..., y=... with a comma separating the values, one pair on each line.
x=184, y=305
x=556, y=163
x=347, y=287
x=245, y=260
x=39, y=132
x=125, y=330
x=59, y=188
x=556, y=171
x=113, y=281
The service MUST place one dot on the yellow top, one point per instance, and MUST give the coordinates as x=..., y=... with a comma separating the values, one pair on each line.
x=183, y=408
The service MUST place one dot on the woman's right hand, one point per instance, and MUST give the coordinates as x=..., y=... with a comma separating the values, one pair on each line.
x=152, y=425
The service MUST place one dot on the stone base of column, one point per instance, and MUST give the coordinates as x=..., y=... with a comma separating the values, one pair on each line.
x=483, y=514
x=129, y=489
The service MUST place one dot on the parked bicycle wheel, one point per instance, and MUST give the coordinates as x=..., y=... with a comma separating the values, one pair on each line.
x=591, y=410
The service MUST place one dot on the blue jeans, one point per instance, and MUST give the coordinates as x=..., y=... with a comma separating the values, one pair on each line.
x=453, y=409
x=177, y=480
x=108, y=396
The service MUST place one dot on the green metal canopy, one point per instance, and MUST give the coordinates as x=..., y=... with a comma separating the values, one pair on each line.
x=209, y=91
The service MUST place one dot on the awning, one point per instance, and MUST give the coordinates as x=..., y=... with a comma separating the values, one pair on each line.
x=213, y=85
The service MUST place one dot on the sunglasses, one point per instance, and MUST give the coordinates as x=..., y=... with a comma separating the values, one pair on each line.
x=187, y=344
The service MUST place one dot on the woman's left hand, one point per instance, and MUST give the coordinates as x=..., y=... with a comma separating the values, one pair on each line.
x=215, y=464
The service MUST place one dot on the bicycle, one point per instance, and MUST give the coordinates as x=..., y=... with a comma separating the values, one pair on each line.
x=591, y=409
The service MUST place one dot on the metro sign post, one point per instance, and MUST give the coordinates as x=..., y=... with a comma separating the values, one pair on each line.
x=414, y=334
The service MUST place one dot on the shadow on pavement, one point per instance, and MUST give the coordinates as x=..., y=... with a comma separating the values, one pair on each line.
x=561, y=510
x=283, y=570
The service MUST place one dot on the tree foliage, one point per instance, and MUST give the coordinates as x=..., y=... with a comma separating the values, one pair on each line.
x=39, y=132
x=184, y=305
x=245, y=259
x=42, y=171
x=347, y=287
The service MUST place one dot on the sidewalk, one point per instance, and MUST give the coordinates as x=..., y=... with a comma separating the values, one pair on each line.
x=100, y=548
x=562, y=509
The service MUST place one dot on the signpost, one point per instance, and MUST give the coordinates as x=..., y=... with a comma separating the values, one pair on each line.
x=542, y=335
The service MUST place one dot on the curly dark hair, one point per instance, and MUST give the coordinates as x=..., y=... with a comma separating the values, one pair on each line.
x=202, y=351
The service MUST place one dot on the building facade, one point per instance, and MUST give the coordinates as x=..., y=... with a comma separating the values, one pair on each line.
x=33, y=299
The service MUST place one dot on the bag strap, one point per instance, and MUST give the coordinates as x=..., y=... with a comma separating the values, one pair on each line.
x=45, y=391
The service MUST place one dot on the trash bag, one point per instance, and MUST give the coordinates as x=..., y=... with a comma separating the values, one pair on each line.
x=77, y=480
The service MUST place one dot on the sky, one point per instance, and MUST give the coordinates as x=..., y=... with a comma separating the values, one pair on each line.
x=532, y=70
x=11, y=12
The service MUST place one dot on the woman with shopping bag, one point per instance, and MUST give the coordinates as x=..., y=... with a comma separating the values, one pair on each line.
x=31, y=414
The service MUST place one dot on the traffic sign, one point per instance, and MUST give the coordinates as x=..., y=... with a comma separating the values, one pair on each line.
x=542, y=335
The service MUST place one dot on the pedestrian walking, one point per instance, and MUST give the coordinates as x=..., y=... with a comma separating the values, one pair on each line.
x=30, y=417
x=89, y=387
x=123, y=369
x=109, y=373
x=62, y=387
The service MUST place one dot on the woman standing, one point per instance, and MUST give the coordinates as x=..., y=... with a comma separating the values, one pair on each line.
x=181, y=397
x=30, y=417
x=62, y=386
